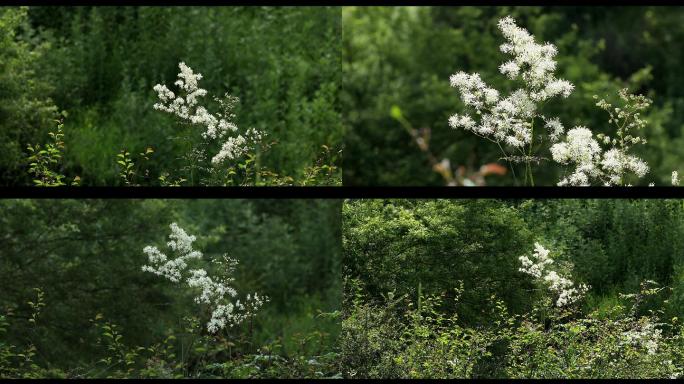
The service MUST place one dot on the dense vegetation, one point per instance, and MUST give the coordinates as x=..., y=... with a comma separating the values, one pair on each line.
x=397, y=62
x=75, y=302
x=100, y=64
x=439, y=289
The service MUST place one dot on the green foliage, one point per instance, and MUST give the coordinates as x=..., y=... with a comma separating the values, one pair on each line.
x=597, y=346
x=25, y=104
x=399, y=339
x=395, y=245
x=45, y=162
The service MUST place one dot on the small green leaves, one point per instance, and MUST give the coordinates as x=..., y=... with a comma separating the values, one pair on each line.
x=43, y=161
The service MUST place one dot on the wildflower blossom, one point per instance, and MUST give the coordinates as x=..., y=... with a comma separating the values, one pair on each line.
x=187, y=108
x=538, y=60
x=509, y=120
x=581, y=149
x=616, y=163
x=555, y=128
x=538, y=267
x=216, y=293
x=236, y=146
x=611, y=166
x=675, y=178
x=173, y=269
x=644, y=334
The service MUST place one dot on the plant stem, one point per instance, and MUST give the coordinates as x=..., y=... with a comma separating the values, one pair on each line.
x=510, y=164
x=529, y=154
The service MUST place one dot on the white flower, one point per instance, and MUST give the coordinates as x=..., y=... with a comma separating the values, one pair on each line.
x=181, y=243
x=462, y=121
x=187, y=108
x=180, y=240
x=507, y=119
x=474, y=91
x=555, y=128
x=538, y=267
x=231, y=149
x=510, y=69
x=536, y=59
x=581, y=149
x=558, y=87
x=616, y=163
x=636, y=165
x=187, y=79
x=537, y=264
x=214, y=293
x=164, y=93
x=675, y=178
x=644, y=334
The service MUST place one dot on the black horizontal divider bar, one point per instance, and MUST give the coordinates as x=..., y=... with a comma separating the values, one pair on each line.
x=333, y=2
x=343, y=192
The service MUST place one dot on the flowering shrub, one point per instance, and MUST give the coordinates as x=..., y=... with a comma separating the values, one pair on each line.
x=215, y=293
x=538, y=266
x=238, y=156
x=617, y=345
x=237, y=161
x=186, y=107
x=509, y=121
x=454, y=289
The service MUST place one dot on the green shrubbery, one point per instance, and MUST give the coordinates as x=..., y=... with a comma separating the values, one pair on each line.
x=101, y=63
x=196, y=356
x=402, y=338
x=26, y=110
x=435, y=289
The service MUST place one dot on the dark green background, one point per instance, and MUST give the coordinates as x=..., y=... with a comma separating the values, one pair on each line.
x=86, y=255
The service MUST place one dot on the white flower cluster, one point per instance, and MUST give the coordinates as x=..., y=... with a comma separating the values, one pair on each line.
x=675, y=178
x=582, y=150
x=172, y=269
x=236, y=146
x=532, y=62
x=538, y=266
x=509, y=119
x=216, y=293
x=644, y=335
x=187, y=107
x=188, y=110
x=234, y=313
